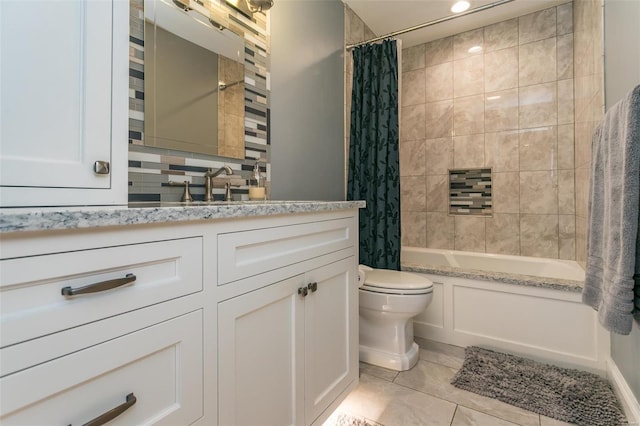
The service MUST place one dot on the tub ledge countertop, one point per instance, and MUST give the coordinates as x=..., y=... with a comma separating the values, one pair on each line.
x=508, y=278
x=49, y=219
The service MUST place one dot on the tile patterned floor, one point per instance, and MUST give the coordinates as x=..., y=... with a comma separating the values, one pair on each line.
x=424, y=396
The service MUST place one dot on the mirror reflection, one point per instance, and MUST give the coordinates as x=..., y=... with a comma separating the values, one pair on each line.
x=194, y=82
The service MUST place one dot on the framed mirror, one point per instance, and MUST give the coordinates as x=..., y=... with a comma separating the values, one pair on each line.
x=194, y=82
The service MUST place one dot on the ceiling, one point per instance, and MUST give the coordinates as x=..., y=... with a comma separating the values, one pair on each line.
x=387, y=16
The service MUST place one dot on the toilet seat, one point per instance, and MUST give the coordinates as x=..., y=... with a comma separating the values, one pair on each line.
x=396, y=282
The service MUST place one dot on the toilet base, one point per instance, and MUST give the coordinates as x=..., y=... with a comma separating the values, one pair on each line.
x=392, y=361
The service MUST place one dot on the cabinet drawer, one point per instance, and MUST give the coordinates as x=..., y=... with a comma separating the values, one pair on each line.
x=247, y=253
x=35, y=307
x=161, y=365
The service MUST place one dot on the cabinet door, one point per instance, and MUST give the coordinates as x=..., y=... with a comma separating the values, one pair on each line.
x=331, y=335
x=59, y=64
x=260, y=361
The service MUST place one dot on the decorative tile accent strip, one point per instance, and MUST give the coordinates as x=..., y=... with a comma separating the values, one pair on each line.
x=470, y=192
x=151, y=169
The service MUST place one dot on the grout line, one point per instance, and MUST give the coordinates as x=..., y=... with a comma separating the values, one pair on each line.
x=454, y=414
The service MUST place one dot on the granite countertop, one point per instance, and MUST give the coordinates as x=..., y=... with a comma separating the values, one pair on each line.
x=46, y=219
x=517, y=279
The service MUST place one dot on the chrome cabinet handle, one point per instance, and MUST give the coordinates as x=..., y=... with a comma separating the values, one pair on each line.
x=313, y=287
x=303, y=291
x=97, y=287
x=114, y=412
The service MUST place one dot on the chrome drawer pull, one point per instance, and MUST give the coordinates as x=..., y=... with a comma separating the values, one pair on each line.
x=101, y=286
x=113, y=413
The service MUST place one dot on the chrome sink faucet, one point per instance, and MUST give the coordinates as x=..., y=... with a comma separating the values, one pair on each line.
x=208, y=180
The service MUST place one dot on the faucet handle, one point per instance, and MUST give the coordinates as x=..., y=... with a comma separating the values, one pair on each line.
x=186, y=195
x=228, y=196
x=208, y=185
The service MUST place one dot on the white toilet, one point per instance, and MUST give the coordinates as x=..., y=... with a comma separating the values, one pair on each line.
x=388, y=302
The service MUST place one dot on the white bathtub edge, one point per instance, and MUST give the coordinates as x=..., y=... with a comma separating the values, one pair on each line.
x=628, y=400
x=570, y=271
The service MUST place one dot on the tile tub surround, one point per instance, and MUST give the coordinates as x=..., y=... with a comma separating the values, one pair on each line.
x=147, y=213
x=589, y=105
x=508, y=107
x=151, y=169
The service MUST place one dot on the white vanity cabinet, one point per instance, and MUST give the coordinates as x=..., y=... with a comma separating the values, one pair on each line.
x=288, y=341
x=208, y=321
x=99, y=321
x=63, y=100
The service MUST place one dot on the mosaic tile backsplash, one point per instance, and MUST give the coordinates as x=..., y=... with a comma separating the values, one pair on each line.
x=470, y=192
x=152, y=170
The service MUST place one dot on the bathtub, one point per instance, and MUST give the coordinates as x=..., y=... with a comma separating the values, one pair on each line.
x=524, y=305
x=554, y=269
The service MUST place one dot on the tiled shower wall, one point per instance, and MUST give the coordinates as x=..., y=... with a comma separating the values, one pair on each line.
x=589, y=104
x=500, y=96
x=151, y=169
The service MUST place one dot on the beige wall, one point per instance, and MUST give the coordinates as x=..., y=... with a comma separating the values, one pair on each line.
x=589, y=104
x=508, y=106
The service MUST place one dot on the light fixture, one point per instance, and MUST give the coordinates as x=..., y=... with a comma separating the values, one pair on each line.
x=475, y=49
x=260, y=5
x=248, y=7
x=460, y=6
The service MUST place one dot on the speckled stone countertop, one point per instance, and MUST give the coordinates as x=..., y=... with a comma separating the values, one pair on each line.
x=474, y=274
x=142, y=213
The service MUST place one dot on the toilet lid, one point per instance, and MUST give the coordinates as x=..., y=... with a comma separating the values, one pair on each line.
x=397, y=282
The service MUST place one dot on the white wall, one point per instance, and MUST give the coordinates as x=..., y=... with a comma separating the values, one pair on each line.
x=621, y=48
x=307, y=104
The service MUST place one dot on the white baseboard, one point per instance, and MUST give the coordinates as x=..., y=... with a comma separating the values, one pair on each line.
x=623, y=392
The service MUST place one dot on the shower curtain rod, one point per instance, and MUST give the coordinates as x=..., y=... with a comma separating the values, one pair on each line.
x=430, y=23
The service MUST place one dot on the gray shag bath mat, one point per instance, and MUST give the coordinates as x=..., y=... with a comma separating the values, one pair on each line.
x=565, y=394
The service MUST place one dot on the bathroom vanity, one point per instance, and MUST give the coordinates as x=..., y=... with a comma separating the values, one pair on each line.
x=212, y=313
x=230, y=313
